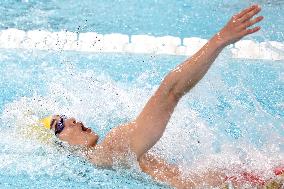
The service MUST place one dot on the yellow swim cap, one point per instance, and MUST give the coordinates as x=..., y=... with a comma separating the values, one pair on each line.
x=46, y=122
x=39, y=130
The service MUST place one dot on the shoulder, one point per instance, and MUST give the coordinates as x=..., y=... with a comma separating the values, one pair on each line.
x=99, y=156
x=118, y=138
x=115, y=146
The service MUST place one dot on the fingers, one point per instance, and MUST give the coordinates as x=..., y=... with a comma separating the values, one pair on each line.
x=250, y=14
x=242, y=13
x=250, y=31
x=251, y=22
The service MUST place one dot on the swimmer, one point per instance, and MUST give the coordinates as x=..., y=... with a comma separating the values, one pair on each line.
x=140, y=135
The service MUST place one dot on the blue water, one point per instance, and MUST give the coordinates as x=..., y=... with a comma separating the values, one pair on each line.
x=234, y=116
x=235, y=113
x=182, y=18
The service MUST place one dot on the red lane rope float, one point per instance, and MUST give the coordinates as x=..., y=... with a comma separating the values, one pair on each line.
x=279, y=170
x=255, y=179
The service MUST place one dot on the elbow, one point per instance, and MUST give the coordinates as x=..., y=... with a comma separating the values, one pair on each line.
x=182, y=87
x=171, y=88
x=175, y=94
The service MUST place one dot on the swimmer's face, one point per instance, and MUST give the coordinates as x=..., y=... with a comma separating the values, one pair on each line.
x=75, y=133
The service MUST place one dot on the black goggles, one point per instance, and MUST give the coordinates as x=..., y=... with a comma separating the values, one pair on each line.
x=59, y=126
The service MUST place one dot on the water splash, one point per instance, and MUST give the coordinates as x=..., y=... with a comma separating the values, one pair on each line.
x=224, y=123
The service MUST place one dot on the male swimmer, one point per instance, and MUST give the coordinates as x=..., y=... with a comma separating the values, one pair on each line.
x=141, y=134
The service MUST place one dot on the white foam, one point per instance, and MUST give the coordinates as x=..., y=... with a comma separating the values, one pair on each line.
x=194, y=138
x=167, y=44
x=91, y=42
x=119, y=43
x=115, y=42
x=65, y=40
x=253, y=50
x=142, y=44
x=181, y=50
x=11, y=38
x=36, y=39
x=193, y=44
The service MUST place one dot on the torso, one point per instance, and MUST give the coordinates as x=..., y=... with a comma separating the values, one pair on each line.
x=115, y=149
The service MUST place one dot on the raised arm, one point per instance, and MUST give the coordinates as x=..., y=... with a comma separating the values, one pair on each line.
x=151, y=123
x=186, y=75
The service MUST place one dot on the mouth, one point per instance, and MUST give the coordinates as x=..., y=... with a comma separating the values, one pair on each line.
x=85, y=129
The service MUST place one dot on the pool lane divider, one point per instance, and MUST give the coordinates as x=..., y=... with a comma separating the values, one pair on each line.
x=120, y=43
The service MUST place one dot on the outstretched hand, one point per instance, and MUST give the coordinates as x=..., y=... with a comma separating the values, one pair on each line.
x=239, y=25
x=147, y=129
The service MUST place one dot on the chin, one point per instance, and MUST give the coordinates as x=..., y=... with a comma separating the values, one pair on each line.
x=93, y=140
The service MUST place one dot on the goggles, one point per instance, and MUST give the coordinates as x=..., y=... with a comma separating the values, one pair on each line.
x=59, y=126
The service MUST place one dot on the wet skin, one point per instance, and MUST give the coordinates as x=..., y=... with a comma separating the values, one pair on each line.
x=141, y=134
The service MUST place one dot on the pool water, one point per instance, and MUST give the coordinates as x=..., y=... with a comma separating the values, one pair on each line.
x=228, y=118
x=233, y=118
x=182, y=18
